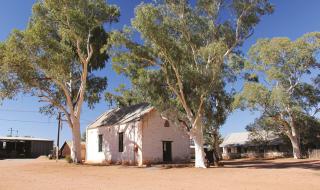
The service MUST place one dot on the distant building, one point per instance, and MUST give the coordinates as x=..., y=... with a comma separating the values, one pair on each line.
x=66, y=148
x=240, y=145
x=208, y=152
x=137, y=135
x=24, y=147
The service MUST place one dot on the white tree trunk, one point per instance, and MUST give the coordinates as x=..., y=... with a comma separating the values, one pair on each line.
x=197, y=136
x=76, y=144
x=295, y=145
x=294, y=137
x=296, y=150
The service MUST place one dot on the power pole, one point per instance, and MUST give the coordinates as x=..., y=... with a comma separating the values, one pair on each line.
x=11, y=130
x=58, y=137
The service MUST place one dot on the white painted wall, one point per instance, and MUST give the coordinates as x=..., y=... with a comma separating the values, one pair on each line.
x=147, y=134
x=154, y=133
x=110, y=145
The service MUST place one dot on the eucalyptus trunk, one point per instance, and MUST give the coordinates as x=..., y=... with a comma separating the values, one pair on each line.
x=216, y=151
x=197, y=137
x=294, y=139
x=76, y=142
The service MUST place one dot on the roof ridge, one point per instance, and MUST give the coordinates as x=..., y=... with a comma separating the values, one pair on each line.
x=121, y=115
x=100, y=116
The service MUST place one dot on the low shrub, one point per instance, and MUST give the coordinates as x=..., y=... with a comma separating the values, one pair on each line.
x=68, y=159
x=107, y=162
x=125, y=163
x=147, y=163
x=119, y=162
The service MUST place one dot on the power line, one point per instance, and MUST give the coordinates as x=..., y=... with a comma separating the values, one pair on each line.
x=17, y=110
x=26, y=121
x=33, y=111
x=26, y=126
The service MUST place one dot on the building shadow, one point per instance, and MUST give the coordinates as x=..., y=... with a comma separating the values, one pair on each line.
x=273, y=164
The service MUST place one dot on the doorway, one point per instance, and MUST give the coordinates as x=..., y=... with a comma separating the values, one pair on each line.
x=167, y=151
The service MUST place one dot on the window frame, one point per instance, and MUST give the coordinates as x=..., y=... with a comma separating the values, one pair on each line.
x=100, y=140
x=166, y=124
x=120, y=142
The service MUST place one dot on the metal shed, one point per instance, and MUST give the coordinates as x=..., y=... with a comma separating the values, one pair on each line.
x=24, y=147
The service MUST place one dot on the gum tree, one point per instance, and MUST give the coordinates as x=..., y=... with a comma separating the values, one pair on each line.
x=123, y=96
x=288, y=94
x=183, y=58
x=55, y=57
x=9, y=86
x=217, y=109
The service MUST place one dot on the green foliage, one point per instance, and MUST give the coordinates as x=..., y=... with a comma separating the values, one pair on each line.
x=265, y=127
x=9, y=86
x=284, y=67
x=288, y=94
x=55, y=57
x=84, y=136
x=68, y=159
x=212, y=137
x=253, y=96
x=124, y=97
x=47, y=58
x=309, y=132
x=182, y=66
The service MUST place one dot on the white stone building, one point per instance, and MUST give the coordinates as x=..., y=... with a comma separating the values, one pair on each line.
x=136, y=134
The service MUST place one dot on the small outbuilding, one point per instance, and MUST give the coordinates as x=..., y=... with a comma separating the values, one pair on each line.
x=66, y=148
x=241, y=145
x=24, y=147
x=136, y=135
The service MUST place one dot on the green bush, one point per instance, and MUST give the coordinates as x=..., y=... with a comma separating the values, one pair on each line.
x=68, y=159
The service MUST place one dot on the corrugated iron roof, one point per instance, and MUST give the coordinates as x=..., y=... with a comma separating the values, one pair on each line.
x=243, y=138
x=121, y=115
x=24, y=139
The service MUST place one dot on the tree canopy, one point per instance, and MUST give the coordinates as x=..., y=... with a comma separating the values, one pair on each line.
x=124, y=96
x=55, y=57
x=287, y=90
x=181, y=64
x=9, y=85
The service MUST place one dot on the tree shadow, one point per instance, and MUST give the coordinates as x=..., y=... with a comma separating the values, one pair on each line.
x=273, y=164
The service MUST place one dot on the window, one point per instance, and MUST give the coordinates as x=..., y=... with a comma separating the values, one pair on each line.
x=120, y=142
x=100, y=143
x=166, y=123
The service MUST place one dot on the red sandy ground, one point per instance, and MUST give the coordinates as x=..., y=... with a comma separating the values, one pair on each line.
x=235, y=175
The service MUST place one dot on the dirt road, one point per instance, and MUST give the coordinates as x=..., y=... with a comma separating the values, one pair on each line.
x=235, y=175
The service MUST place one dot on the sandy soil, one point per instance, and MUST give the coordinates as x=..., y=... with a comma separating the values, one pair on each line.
x=235, y=175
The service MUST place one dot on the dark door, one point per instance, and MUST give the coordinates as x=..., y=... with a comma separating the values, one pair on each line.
x=167, y=151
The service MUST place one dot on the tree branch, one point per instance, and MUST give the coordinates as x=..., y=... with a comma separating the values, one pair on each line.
x=198, y=116
x=55, y=103
x=238, y=38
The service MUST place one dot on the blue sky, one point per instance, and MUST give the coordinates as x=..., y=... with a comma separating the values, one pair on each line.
x=292, y=18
